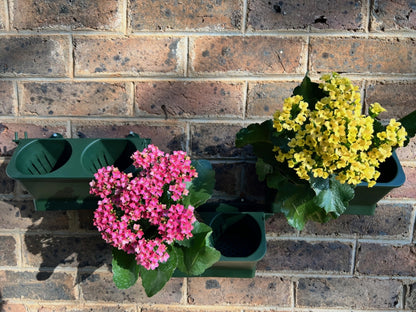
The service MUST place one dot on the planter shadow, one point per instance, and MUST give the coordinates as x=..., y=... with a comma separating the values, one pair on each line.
x=57, y=171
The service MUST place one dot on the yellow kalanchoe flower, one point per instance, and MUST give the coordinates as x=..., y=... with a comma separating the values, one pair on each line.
x=334, y=137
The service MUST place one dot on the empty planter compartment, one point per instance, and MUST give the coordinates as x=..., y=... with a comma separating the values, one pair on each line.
x=57, y=171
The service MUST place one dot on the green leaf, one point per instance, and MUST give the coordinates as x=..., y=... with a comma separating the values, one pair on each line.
x=226, y=208
x=154, y=280
x=310, y=91
x=409, y=123
x=125, y=269
x=255, y=133
x=263, y=169
x=331, y=195
x=201, y=188
x=200, y=255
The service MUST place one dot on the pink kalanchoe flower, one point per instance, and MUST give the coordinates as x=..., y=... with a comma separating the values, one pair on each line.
x=131, y=214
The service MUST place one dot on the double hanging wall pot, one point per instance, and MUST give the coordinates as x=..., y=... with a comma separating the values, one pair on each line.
x=57, y=171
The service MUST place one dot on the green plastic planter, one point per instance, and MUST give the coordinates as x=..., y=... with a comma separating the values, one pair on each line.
x=366, y=198
x=241, y=239
x=57, y=171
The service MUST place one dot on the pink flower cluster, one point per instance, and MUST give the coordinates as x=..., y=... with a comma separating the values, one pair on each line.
x=142, y=214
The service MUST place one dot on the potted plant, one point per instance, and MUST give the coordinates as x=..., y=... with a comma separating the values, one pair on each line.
x=319, y=149
x=147, y=215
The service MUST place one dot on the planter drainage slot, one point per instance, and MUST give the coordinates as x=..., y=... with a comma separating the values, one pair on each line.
x=57, y=171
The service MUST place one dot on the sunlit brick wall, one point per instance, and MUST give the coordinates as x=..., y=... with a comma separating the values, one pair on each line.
x=188, y=75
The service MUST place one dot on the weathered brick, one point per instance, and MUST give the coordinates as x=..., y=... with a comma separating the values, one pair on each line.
x=277, y=225
x=6, y=184
x=231, y=291
x=397, y=97
x=100, y=287
x=408, y=152
x=8, y=243
x=393, y=15
x=247, y=55
x=377, y=259
x=264, y=98
x=214, y=140
x=407, y=190
x=79, y=308
x=66, y=15
x=289, y=255
x=227, y=178
x=192, y=309
x=25, y=285
x=363, y=55
x=50, y=251
x=34, y=56
x=251, y=186
x=22, y=215
x=12, y=307
x=390, y=221
x=207, y=15
x=6, y=98
x=270, y=15
x=410, y=301
x=189, y=99
x=132, y=56
x=37, y=129
x=352, y=293
x=3, y=15
x=76, y=99
x=167, y=136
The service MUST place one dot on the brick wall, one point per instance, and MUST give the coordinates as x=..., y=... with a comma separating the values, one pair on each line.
x=189, y=75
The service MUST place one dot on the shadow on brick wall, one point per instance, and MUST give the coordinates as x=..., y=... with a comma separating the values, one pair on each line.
x=51, y=243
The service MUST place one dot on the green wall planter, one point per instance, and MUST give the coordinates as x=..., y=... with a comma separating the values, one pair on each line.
x=241, y=239
x=366, y=198
x=57, y=171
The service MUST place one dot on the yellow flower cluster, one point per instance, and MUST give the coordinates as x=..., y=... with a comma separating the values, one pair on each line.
x=334, y=137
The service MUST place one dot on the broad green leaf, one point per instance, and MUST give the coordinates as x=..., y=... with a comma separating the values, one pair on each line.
x=409, y=123
x=201, y=188
x=255, y=133
x=154, y=280
x=331, y=195
x=263, y=169
x=125, y=269
x=200, y=255
x=310, y=91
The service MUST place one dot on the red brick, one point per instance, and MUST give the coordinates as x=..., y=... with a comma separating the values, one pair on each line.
x=247, y=55
x=397, y=97
x=192, y=309
x=339, y=15
x=407, y=190
x=37, y=129
x=362, y=55
x=3, y=15
x=214, y=140
x=390, y=221
x=25, y=285
x=408, y=152
x=61, y=14
x=76, y=99
x=277, y=225
x=34, y=56
x=393, y=15
x=264, y=98
x=290, y=255
x=376, y=259
x=80, y=308
x=132, y=56
x=6, y=184
x=7, y=98
x=49, y=251
x=100, y=287
x=12, y=307
x=350, y=293
x=22, y=215
x=167, y=136
x=207, y=15
x=189, y=99
x=231, y=291
x=227, y=178
x=8, y=258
